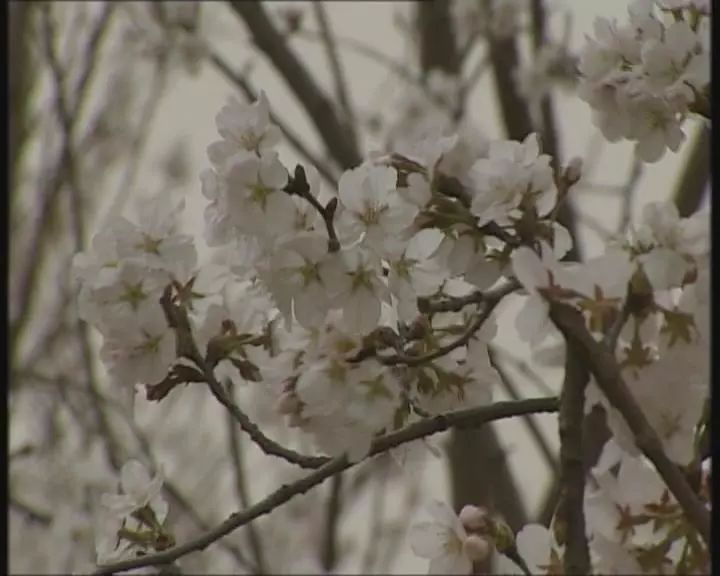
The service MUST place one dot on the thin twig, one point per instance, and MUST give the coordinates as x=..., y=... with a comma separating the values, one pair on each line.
x=248, y=426
x=331, y=48
x=530, y=421
x=30, y=512
x=241, y=490
x=490, y=300
x=67, y=122
x=142, y=133
x=523, y=368
x=397, y=68
x=469, y=418
x=299, y=186
x=627, y=193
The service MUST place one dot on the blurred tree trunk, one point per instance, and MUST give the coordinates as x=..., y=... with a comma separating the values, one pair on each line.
x=479, y=470
x=695, y=175
x=20, y=80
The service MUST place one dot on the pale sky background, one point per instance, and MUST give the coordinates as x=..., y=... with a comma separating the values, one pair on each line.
x=191, y=103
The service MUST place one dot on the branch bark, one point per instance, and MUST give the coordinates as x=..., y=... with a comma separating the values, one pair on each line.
x=469, y=418
x=695, y=176
x=602, y=365
x=572, y=473
x=316, y=103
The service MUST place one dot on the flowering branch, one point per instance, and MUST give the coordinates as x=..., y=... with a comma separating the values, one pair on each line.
x=177, y=319
x=316, y=103
x=298, y=185
x=603, y=366
x=241, y=82
x=491, y=299
x=469, y=418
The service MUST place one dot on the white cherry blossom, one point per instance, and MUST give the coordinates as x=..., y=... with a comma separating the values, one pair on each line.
x=303, y=273
x=513, y=172
x=139, y=352
x=374, y=208
x=361, y=297
x=441, y=541
x=413, y=273
x=244, y=127
x=138, y=490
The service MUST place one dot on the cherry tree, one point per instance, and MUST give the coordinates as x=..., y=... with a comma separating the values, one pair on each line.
x=337, y=312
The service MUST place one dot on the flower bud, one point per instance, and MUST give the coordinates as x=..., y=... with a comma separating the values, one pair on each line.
x=573, y=171
x=476, y=548
x=288, y=403
x=473, y=518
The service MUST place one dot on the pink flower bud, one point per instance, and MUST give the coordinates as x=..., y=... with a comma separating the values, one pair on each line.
x=574, y=170
x=473, y=518
x=476, y=548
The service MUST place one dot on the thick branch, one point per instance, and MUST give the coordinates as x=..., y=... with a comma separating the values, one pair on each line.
x=469, y=418
x=438, y=50
x=572, y=472
x=694, y=178
x=318, y=106
x=603, y=366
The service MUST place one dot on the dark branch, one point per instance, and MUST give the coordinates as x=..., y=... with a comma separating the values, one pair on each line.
x=601, y=362
x=469, y=418
x=318, y=106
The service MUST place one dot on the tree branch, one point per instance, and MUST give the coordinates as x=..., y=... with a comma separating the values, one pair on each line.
x=333, y=55
x=316, y=103
x=242, y=492
x=468, y=418
x=572, y=472
x=532, y=426
x=694, y=178
x=248, y=426
x=504, y=58
x=332, y=517
x=603, y=366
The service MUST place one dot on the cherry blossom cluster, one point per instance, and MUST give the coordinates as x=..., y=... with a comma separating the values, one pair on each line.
x=636, y=524
x=643, y=78
x=133, y=522
x=121, y=281
x=345, y=269
x=361, y=309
